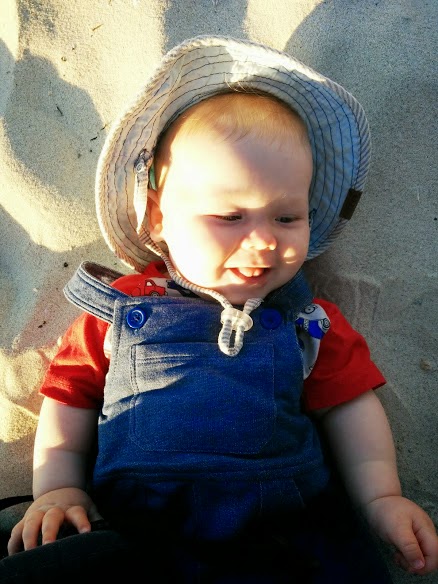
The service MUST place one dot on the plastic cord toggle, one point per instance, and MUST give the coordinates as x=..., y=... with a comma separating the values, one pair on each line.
x=238, y=321
x=236, y=318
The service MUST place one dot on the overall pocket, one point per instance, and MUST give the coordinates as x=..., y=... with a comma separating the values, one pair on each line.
x=191, y=398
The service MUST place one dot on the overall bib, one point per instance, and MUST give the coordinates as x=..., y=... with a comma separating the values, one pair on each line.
x=205, y=453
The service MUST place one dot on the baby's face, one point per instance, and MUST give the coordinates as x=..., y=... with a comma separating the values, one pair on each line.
x=234, y=215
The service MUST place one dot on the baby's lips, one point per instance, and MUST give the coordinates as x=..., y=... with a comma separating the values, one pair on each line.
x=251, y=272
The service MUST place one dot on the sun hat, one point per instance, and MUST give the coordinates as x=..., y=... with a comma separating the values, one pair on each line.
x=201, y=67
x=197, y=69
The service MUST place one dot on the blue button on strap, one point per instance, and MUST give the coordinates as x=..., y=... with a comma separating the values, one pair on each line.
x=136, y=318
x=270, y=318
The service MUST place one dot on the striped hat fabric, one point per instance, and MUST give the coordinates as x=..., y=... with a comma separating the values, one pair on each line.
x=204, y=66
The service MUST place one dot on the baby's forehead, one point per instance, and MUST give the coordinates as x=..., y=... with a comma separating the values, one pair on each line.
x=241, y=108
x=233, y=116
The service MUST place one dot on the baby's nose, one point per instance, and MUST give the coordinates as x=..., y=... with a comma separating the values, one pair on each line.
x=260, y=239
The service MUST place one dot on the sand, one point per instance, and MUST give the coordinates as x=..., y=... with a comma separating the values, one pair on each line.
x=68, y=68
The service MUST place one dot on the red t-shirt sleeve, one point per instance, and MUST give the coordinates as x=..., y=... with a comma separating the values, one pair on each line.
x=76, y=376
x=343, y=369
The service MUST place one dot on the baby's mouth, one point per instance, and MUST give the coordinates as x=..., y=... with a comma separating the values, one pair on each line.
x=250, y=272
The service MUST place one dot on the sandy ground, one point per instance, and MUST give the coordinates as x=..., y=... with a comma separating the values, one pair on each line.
x=67, y=69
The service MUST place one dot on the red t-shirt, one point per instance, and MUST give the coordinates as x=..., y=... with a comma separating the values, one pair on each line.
x=76, y=376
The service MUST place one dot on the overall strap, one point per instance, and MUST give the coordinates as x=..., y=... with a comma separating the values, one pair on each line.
x=90, y=289
x=291, y=298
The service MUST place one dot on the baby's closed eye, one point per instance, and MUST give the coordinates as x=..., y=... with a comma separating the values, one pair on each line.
x=227, y=217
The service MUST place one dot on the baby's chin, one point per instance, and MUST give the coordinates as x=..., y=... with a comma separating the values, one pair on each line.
x=236, y=293
x=239, y=297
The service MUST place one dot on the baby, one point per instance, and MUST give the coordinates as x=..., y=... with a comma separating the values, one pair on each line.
x=212, y=372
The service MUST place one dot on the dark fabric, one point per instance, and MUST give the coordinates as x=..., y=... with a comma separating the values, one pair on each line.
x=326, y=545
x=74, y=558
x=11, y=501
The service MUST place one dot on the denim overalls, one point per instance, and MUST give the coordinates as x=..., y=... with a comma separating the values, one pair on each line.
x=194, y=445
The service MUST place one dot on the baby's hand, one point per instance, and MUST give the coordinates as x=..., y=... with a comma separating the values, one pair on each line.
x=405, y=525
x=48, y=513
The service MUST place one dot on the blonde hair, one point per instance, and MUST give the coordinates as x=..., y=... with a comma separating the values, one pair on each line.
x=235, y=115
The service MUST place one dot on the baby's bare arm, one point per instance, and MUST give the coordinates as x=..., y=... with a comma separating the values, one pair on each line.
x=362, y=443
x=62, y=444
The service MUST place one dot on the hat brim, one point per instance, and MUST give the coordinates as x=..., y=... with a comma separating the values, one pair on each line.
x=204, y=66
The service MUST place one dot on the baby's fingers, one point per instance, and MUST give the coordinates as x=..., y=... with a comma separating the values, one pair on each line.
x=15, y=543
x=428, y=541
x=418, y=552
x=78, y=517
x=51, y=523
x=25, y=534
x=410, y=557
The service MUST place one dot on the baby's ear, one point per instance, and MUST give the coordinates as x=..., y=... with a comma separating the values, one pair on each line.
x=155, y=216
